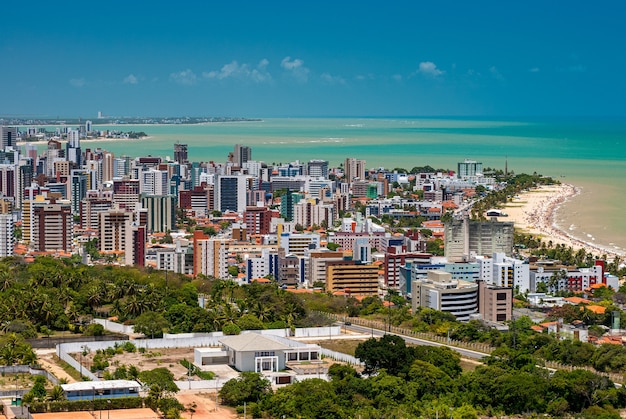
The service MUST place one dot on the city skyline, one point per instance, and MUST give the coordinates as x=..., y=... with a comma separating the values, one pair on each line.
x=321, y=59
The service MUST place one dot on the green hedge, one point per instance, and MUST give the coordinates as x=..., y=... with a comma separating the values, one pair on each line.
x=86, y=405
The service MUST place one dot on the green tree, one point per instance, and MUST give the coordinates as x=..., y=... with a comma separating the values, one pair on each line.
x=249, y=387
x=160, y=382
x=250, y=322
x=332, y=246
x=14, y=350
x=38, y=390
x=231, y=329
x=151, y=324
x=94, y=329
x=56, y=394
x=307, y=399
x=389, y=353
x=233, y=270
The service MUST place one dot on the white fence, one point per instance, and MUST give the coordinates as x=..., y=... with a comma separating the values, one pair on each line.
x=318, y=332
x=340, y=356
x=200, y=384
x=115, y=327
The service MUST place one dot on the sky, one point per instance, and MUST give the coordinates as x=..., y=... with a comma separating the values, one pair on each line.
x=313, y=58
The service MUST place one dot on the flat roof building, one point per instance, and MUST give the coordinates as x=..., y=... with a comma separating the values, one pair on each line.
x=440, y=292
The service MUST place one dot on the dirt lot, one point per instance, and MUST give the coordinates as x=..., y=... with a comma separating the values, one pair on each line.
x=153, y=358
x=205, y=405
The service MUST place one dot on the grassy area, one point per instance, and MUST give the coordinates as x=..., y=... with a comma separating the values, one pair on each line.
x=469, y=365
x=67, y=368
x=346, y=346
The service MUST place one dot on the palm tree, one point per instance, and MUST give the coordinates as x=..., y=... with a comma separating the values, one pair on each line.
x=94, y=296
x=56, y=394
x=134, y=306
x=6, y=278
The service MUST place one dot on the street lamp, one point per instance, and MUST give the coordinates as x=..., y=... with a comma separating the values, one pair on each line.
x=217, y=380
x=108, y=408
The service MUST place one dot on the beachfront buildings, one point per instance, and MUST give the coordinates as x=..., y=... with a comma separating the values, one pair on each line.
x=469, y=169
x=465, y=237
x=562, y=279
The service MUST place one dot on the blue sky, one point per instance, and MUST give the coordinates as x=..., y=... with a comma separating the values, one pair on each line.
x=322, y=58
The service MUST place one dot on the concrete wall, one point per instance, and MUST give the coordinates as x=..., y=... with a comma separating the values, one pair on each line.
x=318, y=331
x=25, y=369
x=115, y=327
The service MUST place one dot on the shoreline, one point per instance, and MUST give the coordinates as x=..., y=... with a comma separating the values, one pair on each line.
x=86, y=140
x=534, y=212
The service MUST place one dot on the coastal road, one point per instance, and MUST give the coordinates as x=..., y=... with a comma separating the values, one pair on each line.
x=466, y=353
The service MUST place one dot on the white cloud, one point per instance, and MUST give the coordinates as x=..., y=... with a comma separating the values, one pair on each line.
x=428, y=68
x=579, y=68
x=330, y=79
x=241, y=71
x=185, y=77
x=296, y=68
x=534, y=70
x=131, y=79
x=397, y=77
x=495, y=73
x=77, y=82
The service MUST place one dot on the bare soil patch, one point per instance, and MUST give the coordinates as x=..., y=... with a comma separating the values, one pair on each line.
x=204, y=406
x=153, y=358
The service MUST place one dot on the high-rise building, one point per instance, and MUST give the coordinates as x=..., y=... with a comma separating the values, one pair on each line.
x=121, y=167
x=52, y=226
x=72, y=149
x=469, y=168
x=8, y=181
x=90, y=209
x=317, y=168
x=108, y=166
x=154, y=182
x=258, y=219
x=241, y=154
x=115, y=232
x=353, y=169
x=7, y=240
x=126, y=193
x=465, y=237
x=196, y=200
x=161, y=212
x=8, y=135
x=180, y=153
x=79, y=186
x=210, y=257
x=230, y=193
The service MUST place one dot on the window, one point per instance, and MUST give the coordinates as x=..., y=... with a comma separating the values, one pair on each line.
x=501, y=296
x=501, y=317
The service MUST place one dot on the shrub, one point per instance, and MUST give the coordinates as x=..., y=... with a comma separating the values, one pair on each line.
x=129, y=347
x=231, y=329
x=94, y=329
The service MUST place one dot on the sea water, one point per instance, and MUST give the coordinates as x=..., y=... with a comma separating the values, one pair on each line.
x=589, y=153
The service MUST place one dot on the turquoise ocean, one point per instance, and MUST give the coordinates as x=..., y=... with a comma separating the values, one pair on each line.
x=589, y=153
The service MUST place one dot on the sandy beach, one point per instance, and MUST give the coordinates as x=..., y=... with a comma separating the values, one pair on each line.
x=533, y=212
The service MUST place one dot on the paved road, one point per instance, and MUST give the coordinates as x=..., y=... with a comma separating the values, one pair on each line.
x=467, y=353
